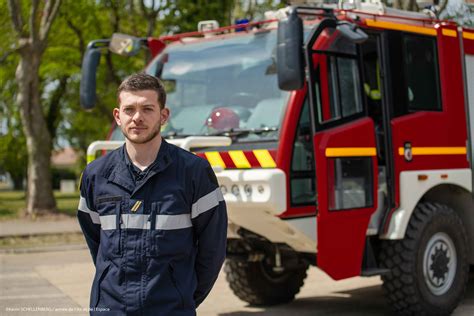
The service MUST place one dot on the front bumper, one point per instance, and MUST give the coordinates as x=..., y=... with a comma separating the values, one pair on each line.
x=255, y=198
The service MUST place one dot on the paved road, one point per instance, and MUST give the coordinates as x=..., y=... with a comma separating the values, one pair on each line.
x=58, y=283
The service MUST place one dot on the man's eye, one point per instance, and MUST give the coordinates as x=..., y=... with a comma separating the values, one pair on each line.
x=148, y=110
x=128, y=111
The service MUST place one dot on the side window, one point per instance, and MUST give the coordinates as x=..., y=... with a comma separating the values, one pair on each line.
x=414, y=73
x=421, y=73
x=302, y=174
x=344, y=89
x=350, y=183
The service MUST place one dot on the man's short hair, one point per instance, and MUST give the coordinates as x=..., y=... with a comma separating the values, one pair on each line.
x=142, y=81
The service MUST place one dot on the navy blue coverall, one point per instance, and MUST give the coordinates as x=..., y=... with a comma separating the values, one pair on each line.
x=158, y=243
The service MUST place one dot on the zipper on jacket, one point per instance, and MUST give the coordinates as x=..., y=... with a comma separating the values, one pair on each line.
x=152, y=219
x=175, y=284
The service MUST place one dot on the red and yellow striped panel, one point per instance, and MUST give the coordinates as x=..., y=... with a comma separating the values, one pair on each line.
x=241, y=159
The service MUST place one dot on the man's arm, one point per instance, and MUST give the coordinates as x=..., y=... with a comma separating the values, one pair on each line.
x=209, y=217
x=88, y=217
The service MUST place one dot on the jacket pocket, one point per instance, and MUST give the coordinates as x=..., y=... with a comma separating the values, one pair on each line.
x=170, y=235
x=107, y=198
x=95, y=291
x=175, y=284
x=110, y=211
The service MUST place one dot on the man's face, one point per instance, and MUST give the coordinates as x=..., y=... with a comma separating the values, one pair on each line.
x=139, y=115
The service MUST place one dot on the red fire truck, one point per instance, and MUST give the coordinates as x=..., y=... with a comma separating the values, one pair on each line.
x=341, y=139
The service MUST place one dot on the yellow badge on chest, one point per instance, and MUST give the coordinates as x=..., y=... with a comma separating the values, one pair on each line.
x=136, y=206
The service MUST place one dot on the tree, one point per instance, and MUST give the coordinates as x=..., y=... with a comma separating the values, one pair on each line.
x=13, y=156
x=254, y=9
x=183, y=15
x=457, y=11
x=31, y=41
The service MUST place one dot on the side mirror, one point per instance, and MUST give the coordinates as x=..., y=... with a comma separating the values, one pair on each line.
x=290, y=62
x=352, y=33
x=124, y=45
x=88, y=76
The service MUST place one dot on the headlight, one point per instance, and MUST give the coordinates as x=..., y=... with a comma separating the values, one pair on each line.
x=235, y=190
x=223, y=189
x=248, y=189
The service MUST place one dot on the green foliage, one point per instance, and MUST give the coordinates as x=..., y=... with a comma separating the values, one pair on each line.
x=255, y=9
x=184, y=15
x=13, y=156
x=78, y=23
x=13, y=202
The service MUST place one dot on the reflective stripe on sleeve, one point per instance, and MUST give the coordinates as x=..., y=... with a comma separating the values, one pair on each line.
x=140, y=221
x=206, y=203
x=84, y=208
x=168, y=222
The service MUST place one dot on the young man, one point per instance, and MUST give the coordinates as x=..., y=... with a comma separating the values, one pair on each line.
x=152, y=214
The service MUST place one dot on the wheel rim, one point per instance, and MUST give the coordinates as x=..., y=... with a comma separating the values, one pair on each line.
x=439, y=263
x=270, y=274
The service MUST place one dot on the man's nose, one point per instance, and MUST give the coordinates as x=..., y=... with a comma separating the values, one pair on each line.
x=138, y=116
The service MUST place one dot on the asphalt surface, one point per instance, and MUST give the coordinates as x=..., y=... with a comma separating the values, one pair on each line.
x=58, y=283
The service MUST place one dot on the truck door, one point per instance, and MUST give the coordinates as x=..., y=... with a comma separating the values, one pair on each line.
x=345, y=152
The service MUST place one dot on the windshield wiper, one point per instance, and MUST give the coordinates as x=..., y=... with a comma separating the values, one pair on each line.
x=236, y=132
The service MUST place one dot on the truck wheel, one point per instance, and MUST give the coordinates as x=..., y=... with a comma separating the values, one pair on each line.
x=429, y=269
x=258, y=284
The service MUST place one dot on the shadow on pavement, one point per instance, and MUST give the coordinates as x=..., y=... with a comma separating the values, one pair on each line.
x=365, y=301
x=368, y=301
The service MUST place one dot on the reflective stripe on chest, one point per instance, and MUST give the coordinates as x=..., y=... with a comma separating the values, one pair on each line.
x=142, y=221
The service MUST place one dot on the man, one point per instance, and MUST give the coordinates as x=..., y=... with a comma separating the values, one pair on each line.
x=152, y=214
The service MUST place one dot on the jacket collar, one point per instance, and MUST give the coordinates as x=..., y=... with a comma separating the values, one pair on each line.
x=119, y=173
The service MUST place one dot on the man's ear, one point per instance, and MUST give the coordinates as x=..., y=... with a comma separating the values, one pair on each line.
x=165, y=114
x=116, y=115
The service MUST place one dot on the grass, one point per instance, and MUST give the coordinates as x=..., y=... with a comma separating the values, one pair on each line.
x=40, y=240
x=12, y=203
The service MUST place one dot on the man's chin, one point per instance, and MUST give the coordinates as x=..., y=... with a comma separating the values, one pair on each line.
x=141, y=139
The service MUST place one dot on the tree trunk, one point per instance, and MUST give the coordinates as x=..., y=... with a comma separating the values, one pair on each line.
x=38, y=140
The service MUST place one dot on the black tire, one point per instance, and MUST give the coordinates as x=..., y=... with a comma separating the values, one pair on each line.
x=435, y=236
x=257, y=284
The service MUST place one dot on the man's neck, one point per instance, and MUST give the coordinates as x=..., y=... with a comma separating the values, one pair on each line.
x=143, y=155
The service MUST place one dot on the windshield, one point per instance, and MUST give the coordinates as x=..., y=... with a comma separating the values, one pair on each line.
x=221, y=85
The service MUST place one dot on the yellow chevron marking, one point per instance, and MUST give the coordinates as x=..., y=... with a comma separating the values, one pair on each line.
x=468, y=35
x=215, y=159
x=451, y=33
x=434, y=151
x=239, y=159
x=351, y=152
x=136, y=206
x=264, y=158
x=401, y=27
